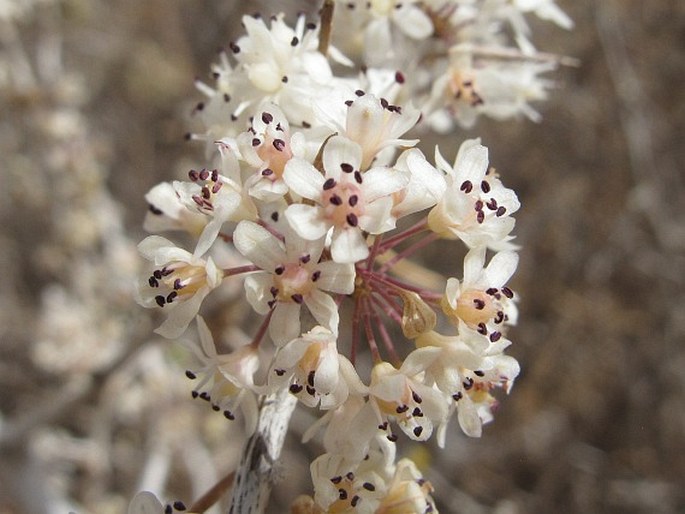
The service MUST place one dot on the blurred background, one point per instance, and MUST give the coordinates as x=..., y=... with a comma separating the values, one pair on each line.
x=95, y=99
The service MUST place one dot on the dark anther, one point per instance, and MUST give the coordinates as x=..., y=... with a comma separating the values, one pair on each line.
x=170, y=297
x=352, y=219
x=191, y=375
x=478, y=205
x=273, y=291
x=417, y=431
x=310, y=378
x=154, y=210
x=229, y=415
x=294, y=41
x=267, y=117
x=480, y=304
x=468, y=384
x=500, y=211
x=316, y=275
x=274, y=216
x=297, y=298
x=349, y=476
x=160, y=300
x=495, y=336
x=349, y=103
x=507, y=292
x=311, y=391
x=491, y=291
x=153, y=282
x=359, y=92
x=267, y=172
x=194, y=394
x=215, y=175
x=399, y=77
x=234, y=48
x=204, y=395
x=306, y=125
x=336, y=480
x=402, y=408
x=227, y=97
x=480, y=217
x=416, y=397
x=369, y=486
x=329, y=184
x=457, y=396
x=358, y=177
x=352, y=200
x=392, y=438
x=295, y=388
x=485, y=186
x=466, y=186
x=279, y=270
x=256, y=141
x=342, y=494
x=417, y=412
x=279, y=144
x=384, y=103
x=336, y=200
x=482, y=329
x=168, y=509
x=346, y=167
x=355, y=500
x=179, y=506
x=279, y=372
x=284, y=79
x=216, y=408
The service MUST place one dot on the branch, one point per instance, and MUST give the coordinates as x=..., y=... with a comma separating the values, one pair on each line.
x=254, y=477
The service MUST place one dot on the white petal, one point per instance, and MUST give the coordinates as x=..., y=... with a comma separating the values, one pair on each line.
x=336, y=277
x=348, y=246
x=307, y=221
x=257, y=291
x=473, y=265
x=501, y=267
x=259, y=245
x=324, y=309
x=472, y=161
x=340, y=150
x=411, y=20
x=145, y=503
x=285, y=323
x=469, y=421
x=380, y=182
x=181, y=315
x=303, y=178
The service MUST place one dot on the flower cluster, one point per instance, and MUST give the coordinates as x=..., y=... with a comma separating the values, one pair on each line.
x=316, y=200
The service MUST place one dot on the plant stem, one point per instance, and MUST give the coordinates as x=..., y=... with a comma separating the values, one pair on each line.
x=254, y=477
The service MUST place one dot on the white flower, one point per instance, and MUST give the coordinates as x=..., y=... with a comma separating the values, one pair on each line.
x=425, y=188
x=267, y=146
x=316, y=373
x=476, y=207
x=499, y=88
x=464, y=369
x=404, y=398
x=168, y=212
x=226, y=380
x=292, y=276
x=350, y=428
x=343, y=486
x=408, y=492
x=220, y=197
x=178, y=284
x=482, y=301
x=347, y=200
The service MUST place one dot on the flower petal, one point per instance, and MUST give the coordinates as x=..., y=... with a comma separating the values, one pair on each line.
x=259, y=245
